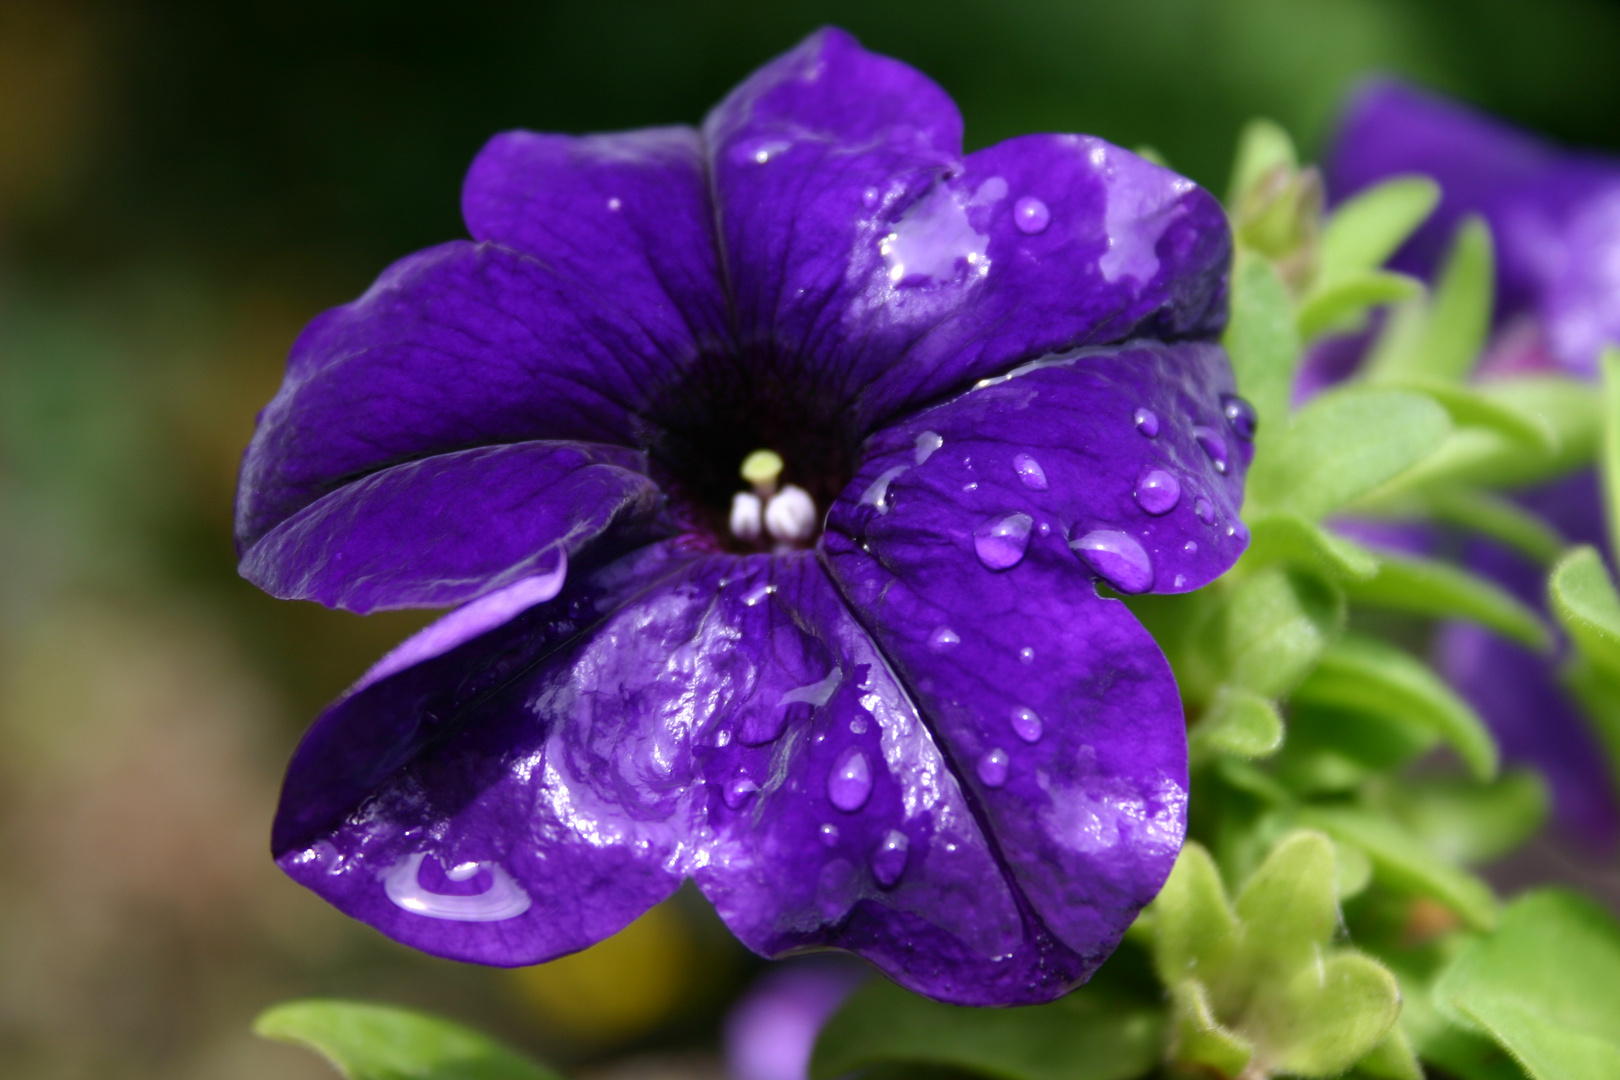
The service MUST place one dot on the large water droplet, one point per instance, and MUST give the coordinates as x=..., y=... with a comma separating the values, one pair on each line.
x=1026, y=724
x=943, y=638
x=993, y=765
x=927, y=443
x=1001, y=542
x=849, y=784
x=1031, y=215
x=1030, y=472
x=504, y=899
x=739, y=792
x=1147, y=422
x=1240, y=415
x=829, y=835
x=1118, y=558
x=1214, y=446
x=1157, y=491
x=889, y=860
x=1204, y=510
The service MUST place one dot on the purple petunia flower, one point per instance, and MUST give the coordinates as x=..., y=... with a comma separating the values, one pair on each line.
x=771, y=1033
x=868, y=697
x=1555, y=217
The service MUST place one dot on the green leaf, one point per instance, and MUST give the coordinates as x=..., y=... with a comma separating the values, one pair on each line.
x=1343, y=444
x=1273, y=628
x=1609, y=454
x=1364, y=674
x=1081, y=1037
x=1288, y=539
x=1289, y=910
x=1404, y=864
x=1344, y=302
x=1598, y=691
x=1469, y=823
x=1197, y=1038
x=1445, y=342
x=1546, y=986
x=380, y=1042
x=1332, y=1015
x=1469, y=407
x=1336, y=749
x=1584, y=599
x=1262, y=341
x=1364, y=231
x=1262, y=146
x=1195, y=929
x=1238, y=722
x=1493, y=516
x=1427, y=587
x=1391, y=1059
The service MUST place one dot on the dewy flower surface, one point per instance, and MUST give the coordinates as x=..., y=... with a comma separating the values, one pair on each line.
x=1555, y=219
x=908, y=725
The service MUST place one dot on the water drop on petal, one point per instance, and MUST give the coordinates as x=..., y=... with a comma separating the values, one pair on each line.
x=829, y=835
x=1190, y=546
x=1001, y=542
x=1157, y=491
x=1030, y=472
x=1204, y=510
x=1031, y=215
x=1240, y=415
x=1118, y=558
x=992, y=767
x=1214, y=446
x=1027, y=655
x=1026, y=724
x=849, y=784
x=739, y=792
x=943, y=638
x=927, y=443
x=1147, y=422
x=889, y=860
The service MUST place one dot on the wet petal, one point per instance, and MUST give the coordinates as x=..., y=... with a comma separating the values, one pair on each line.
x=456, y=347
x=446, y=529
x=851, y=829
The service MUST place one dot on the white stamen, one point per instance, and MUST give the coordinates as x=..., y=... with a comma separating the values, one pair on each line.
x=746, y=513
x=790, y=516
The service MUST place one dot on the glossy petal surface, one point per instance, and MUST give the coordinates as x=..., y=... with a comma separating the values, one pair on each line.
x=446, y=529
x=864, y=249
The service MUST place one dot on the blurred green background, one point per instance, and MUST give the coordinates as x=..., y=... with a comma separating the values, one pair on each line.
x=182, y=186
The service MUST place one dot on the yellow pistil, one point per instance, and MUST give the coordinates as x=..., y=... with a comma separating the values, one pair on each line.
x=762, y=469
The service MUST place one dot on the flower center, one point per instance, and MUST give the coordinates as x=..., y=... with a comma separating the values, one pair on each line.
x=752, y=454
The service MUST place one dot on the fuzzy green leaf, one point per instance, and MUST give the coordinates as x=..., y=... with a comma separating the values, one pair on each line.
x=1441, y=590
x=1289, y=909
x=1346, y=300
x=1273, y=628
x=1469, y=823
x=1262, y=146
x=1584, y=599
x=380, y=1042
x=1343, y=444
x=1081, y=1037
x=1195, y=929
x=1546, y=986
x=1331, y=1015
x=1288, y=539
x=1262, y=341
x=1197, y=1038
x=1364, y=674
x=1238, y=722
x=1444, y=340
x=1403, y=863
x=1493, y=516
x=1391, y=1059
x=1468, y=407
x=1365, y=230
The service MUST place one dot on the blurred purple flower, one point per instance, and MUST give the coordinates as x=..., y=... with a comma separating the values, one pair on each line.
x=772, y=1031
x=875, y=702
x=1555, y=218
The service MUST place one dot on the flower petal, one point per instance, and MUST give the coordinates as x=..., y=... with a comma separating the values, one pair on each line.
x=836, y=821
x=455, y=347
x=1054, y=706
x=865, y=253
x=519, y=796
x=446, y=529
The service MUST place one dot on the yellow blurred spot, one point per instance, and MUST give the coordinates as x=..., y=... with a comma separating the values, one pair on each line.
x=762, y=468
x=618, y=988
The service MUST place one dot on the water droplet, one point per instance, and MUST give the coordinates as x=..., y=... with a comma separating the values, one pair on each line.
x=1181, y=579
x=1026, y=724
x=849, y=784
x=943, y=638
x=829, y=835
x=1001, y=543
x=1204, y=510
x=504, y=899
x=1190, y=546
x=723, y=739
x=739, y=792
x=1027, y=655
x=1240, y=414
x=1030, y=472
x=889, y=860
x=1214, y=446
x=858, y=725
x=870, y=197
x=877, y=492
x=927, y=443
x=1147, y=422
x=1118, y=558
x=1157, y=491
x=614, y=204
x=1044, y=528
x=1031, y=215
x=971, y=486
x=993, y=765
